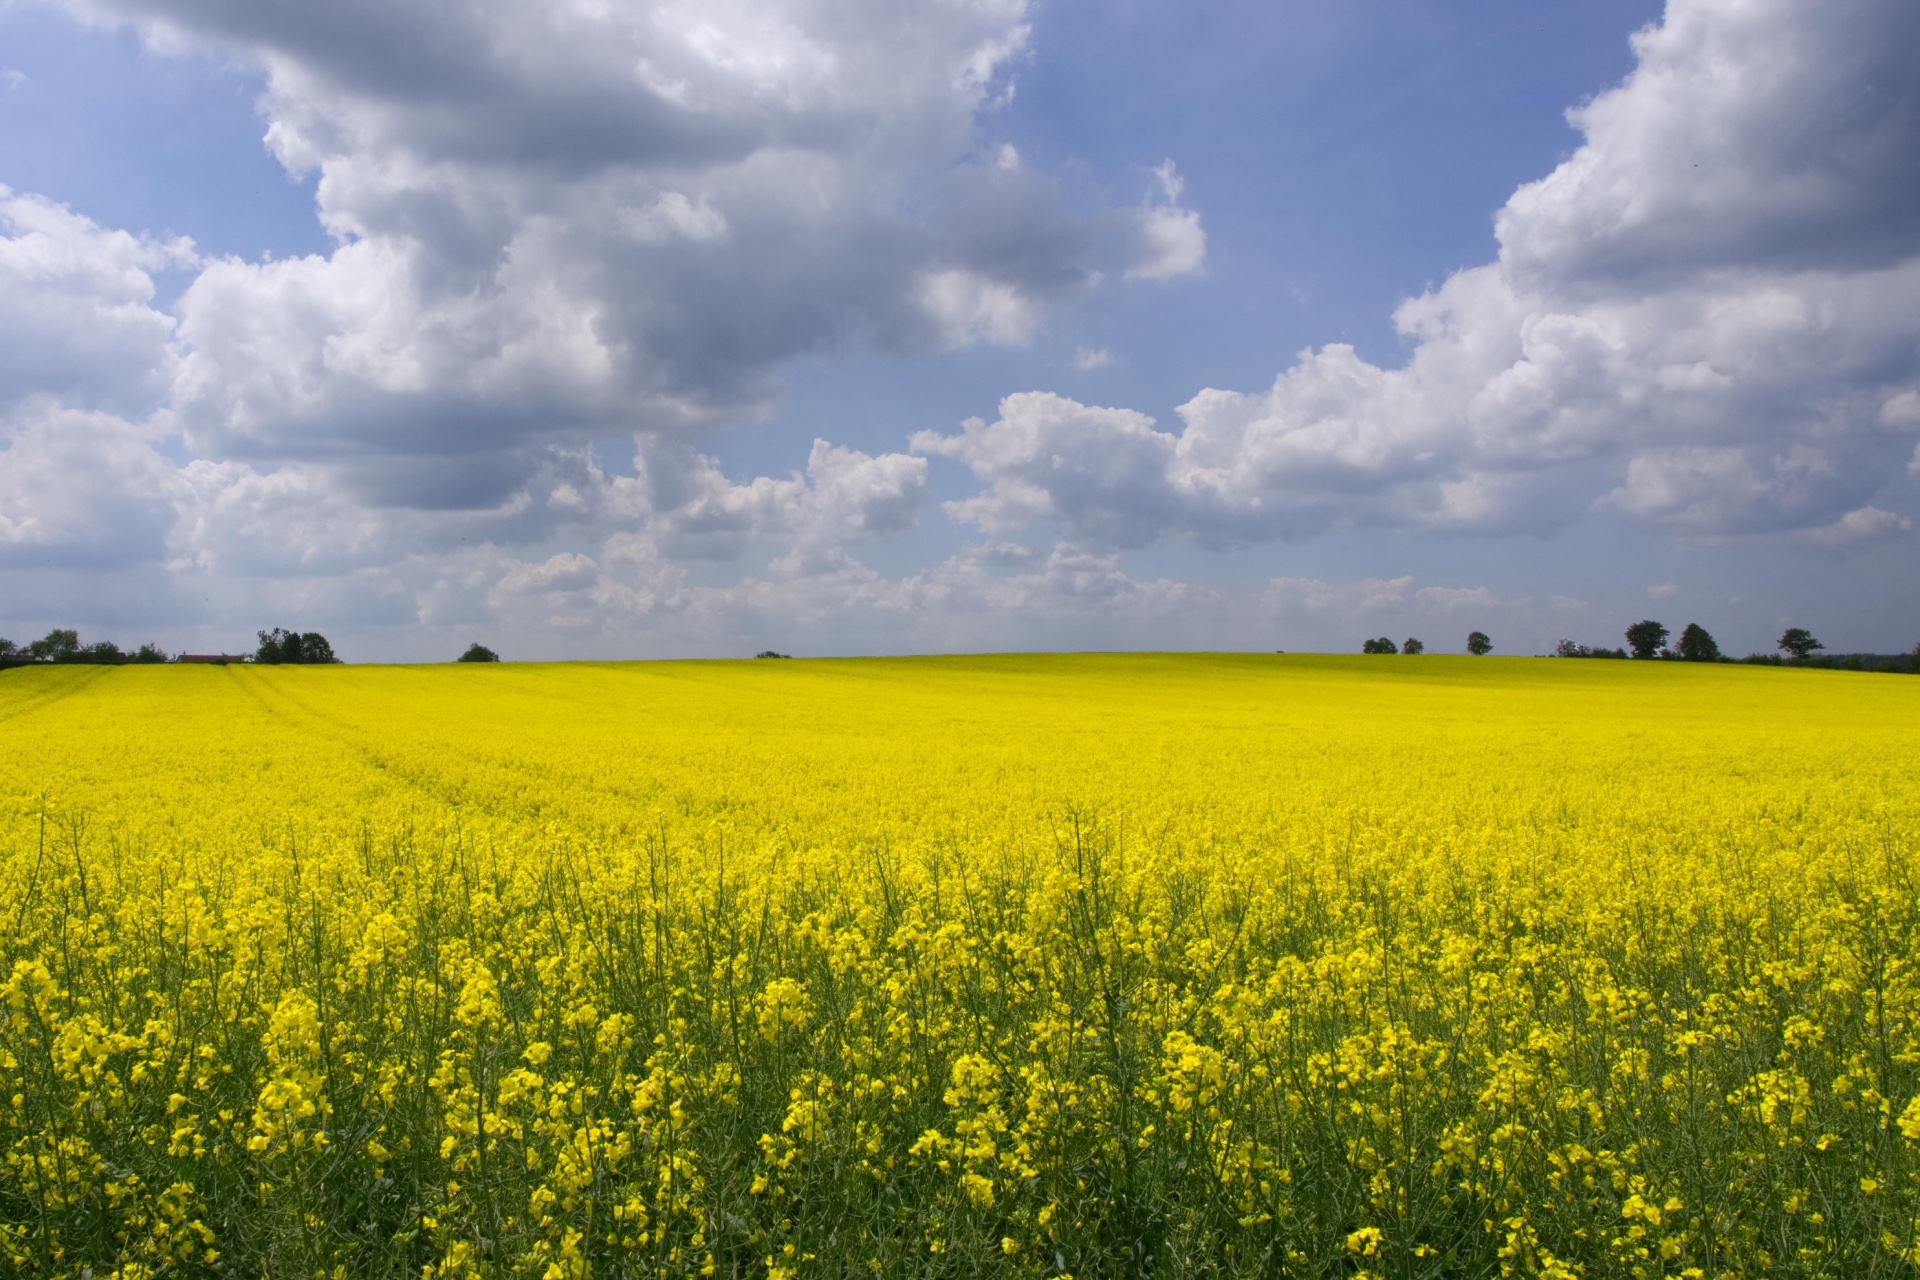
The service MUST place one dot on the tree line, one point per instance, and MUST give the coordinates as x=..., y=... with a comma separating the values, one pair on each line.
x=1797, y=646
x=62, y=646
x=276, y=647
x=1479, y=644
x=1647, y=641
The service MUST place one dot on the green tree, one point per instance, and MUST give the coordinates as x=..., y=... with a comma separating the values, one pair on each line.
x=1698, y=646
x=314, y=648
x=1382, y=645
x=56, y=646
x=278, y=646
x=1799, y=642
x=1645, y=638
x=1479, y=643
x=477, y=652
x=149, y=652
x=273, y=647
x=1413, y=646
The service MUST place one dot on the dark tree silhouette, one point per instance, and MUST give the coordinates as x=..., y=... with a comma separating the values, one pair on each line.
x=1479, y=643
x=278, y=646
x=1645, y=638
x=56, y=646
x=1413, y=646
x=477, y=652
x=62, y=644
x=1799, y=642
x=1697, y=646
x=1382, y=645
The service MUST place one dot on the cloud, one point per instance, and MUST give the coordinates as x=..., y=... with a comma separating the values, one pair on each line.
x=968, y=308
x=634, y=593
x=76, y=314
x=1109, y=475
x=1453, y=598
x=294, y=521
x=552, y=226
x=1314, y=595
x=1663, y=591
x=1368, y=596
x=1169, y=240
x=1701, y=319
x=1859, y=528
x=560, y=223
x=1087, y=359
x=82, y=490
x=844, y=497
x=1100, y=474
x=1753, y=135
x=85, y=364
x=555, y=226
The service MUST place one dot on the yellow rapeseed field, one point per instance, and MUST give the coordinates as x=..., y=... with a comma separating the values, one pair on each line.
x=1023, y=966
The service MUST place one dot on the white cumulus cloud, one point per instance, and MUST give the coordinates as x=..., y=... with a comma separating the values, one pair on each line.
x=1169, y=240
x=77, y=319
x=1703, y=318
x=556, y=221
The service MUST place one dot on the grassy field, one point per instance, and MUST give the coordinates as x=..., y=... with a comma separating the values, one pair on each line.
x=1024, y=966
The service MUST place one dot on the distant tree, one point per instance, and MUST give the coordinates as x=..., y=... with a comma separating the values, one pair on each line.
x=9, y=651
x=477, y=652
x=104, y=652
x=768, y=653
x=149, y=652
x=314, y=648
x=1697, y=646
x=1568, y=649
x=1479, y=643
x=55, y=646
x=1799, y=642
x=278, y=646
x=1413, y=646
x=1382, y=645
x=1645, y=638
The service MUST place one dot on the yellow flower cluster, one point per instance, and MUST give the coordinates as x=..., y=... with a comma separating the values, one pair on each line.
x=1028, y=966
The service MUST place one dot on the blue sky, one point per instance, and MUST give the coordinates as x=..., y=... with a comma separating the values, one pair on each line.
x=651, y=329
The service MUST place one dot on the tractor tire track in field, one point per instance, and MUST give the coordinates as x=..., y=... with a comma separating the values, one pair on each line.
x=382, y=756
x=32, y=702
x=302, y=718
x=400, y=761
